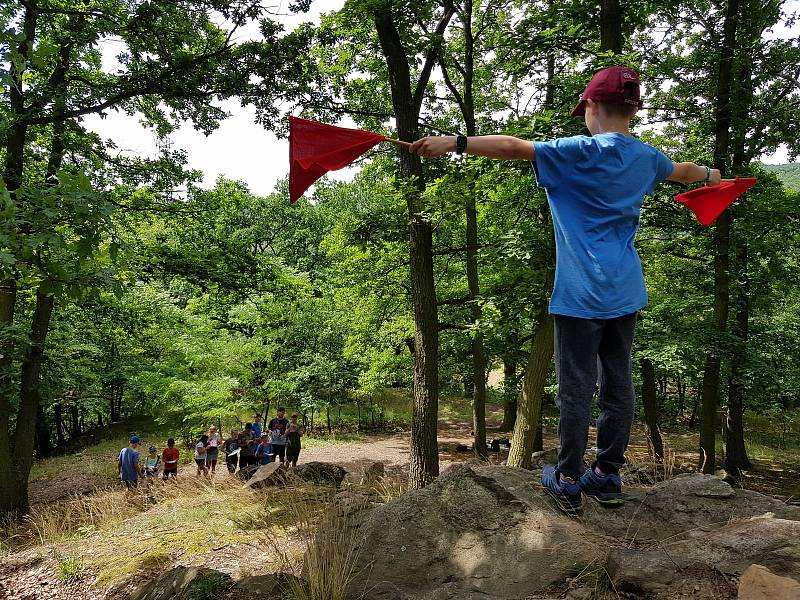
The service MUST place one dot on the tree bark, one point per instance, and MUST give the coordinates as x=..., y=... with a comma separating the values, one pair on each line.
x=736, y=459
x=12, y=500
x=529, y=411
x=29, y=399
x=510, y=394
x=650, y=405
x=424, y=450
x=722, y=126
x=610, y=26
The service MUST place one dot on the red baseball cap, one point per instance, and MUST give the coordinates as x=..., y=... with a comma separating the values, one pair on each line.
x=608, y=85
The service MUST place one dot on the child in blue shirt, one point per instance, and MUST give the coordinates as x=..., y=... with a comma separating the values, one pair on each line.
x=264, y=453
x=595, y=186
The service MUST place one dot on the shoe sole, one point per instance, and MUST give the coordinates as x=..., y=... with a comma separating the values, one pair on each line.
x=564, y=506
x=610, y=500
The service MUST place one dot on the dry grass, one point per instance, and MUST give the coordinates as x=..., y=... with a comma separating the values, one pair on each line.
x=318, y=540
x=151, y=527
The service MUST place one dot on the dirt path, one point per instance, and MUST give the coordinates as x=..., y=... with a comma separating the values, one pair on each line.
x=392, y=449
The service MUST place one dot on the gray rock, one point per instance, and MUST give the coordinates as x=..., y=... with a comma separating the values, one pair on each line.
x=581, y=594
x=687, y=503
x=544, y=457
x=759, y=583
x=639, y=571
x=373, y=472
x=180, y=583
x=319, y=473
x=269, y=586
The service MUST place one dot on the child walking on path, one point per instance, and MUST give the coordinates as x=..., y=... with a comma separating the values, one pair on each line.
x=212, y=449
x=171, y=455
x=595, y=186
x=200, y=455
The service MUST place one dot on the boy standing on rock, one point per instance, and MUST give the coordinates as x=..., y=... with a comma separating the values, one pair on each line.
x=595, y=186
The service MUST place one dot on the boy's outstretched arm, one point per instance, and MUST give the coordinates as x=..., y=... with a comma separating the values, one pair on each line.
x=504, y=147
x=689, y=172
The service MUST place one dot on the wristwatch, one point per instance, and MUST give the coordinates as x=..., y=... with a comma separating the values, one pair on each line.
x=708, y=174
x=461, y=144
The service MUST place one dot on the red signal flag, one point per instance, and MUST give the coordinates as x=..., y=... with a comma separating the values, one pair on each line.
x=316, y=148
x=708, y=202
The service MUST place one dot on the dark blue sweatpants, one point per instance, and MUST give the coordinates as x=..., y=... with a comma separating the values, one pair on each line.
x=584, y=347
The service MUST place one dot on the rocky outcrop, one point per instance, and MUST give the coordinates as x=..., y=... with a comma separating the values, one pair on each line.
x=489, y=533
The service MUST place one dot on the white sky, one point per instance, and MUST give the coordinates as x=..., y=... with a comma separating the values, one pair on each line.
x=241, y=149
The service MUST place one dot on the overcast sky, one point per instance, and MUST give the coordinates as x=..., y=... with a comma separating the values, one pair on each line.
x=241, y=149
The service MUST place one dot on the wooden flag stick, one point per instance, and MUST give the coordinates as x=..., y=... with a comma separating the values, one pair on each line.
x=397, y=142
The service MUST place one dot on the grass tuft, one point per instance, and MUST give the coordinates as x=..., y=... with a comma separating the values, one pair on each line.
x=69, y=568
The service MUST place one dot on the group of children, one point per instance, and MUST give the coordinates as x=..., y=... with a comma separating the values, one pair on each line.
x=252, y=446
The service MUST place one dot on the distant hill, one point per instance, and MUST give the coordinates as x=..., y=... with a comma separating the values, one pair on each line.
x=788, y=174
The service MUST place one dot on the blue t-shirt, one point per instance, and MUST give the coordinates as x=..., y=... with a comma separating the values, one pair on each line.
x=256, y=429
x=595, y=186
x=129, y=459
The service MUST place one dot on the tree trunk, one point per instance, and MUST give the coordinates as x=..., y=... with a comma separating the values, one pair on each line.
x=13, y=492
x=44, y=445
x=74, y=421
x=29, y=401
x=650, y=404
x=736, y=459
x=510, y=394
x=611, y=26
x=58, y=418
x=424, y=450
x=722, y=125
x=529, y=412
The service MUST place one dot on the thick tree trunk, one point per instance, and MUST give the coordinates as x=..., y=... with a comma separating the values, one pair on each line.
x=29, y=401
x=529, y=412
x=722, y=125
x=611, y=26
x=13, y=489
x=650, y=404
x=424, y=450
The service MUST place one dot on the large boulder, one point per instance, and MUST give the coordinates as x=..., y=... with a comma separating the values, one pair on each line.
x=476, y=532
x=489, y=533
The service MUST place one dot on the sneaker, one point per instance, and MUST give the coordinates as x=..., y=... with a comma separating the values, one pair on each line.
x=566, y=495
x=605, y=489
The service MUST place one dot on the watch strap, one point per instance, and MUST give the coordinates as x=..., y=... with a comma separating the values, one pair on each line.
x=461, y=144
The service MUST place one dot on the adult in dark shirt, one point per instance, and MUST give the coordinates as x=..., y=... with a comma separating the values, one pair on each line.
x=277, y=428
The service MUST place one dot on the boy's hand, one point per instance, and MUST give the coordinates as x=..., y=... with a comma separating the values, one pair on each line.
x=433, y=146
x=715, y=178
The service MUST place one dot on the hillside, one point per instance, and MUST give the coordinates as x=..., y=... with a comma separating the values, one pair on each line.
x=788, y=174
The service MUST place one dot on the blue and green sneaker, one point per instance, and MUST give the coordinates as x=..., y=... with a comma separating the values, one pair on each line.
x=605, y=489
x=566, y=495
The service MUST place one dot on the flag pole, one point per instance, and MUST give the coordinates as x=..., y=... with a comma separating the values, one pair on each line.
x=397, y=142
